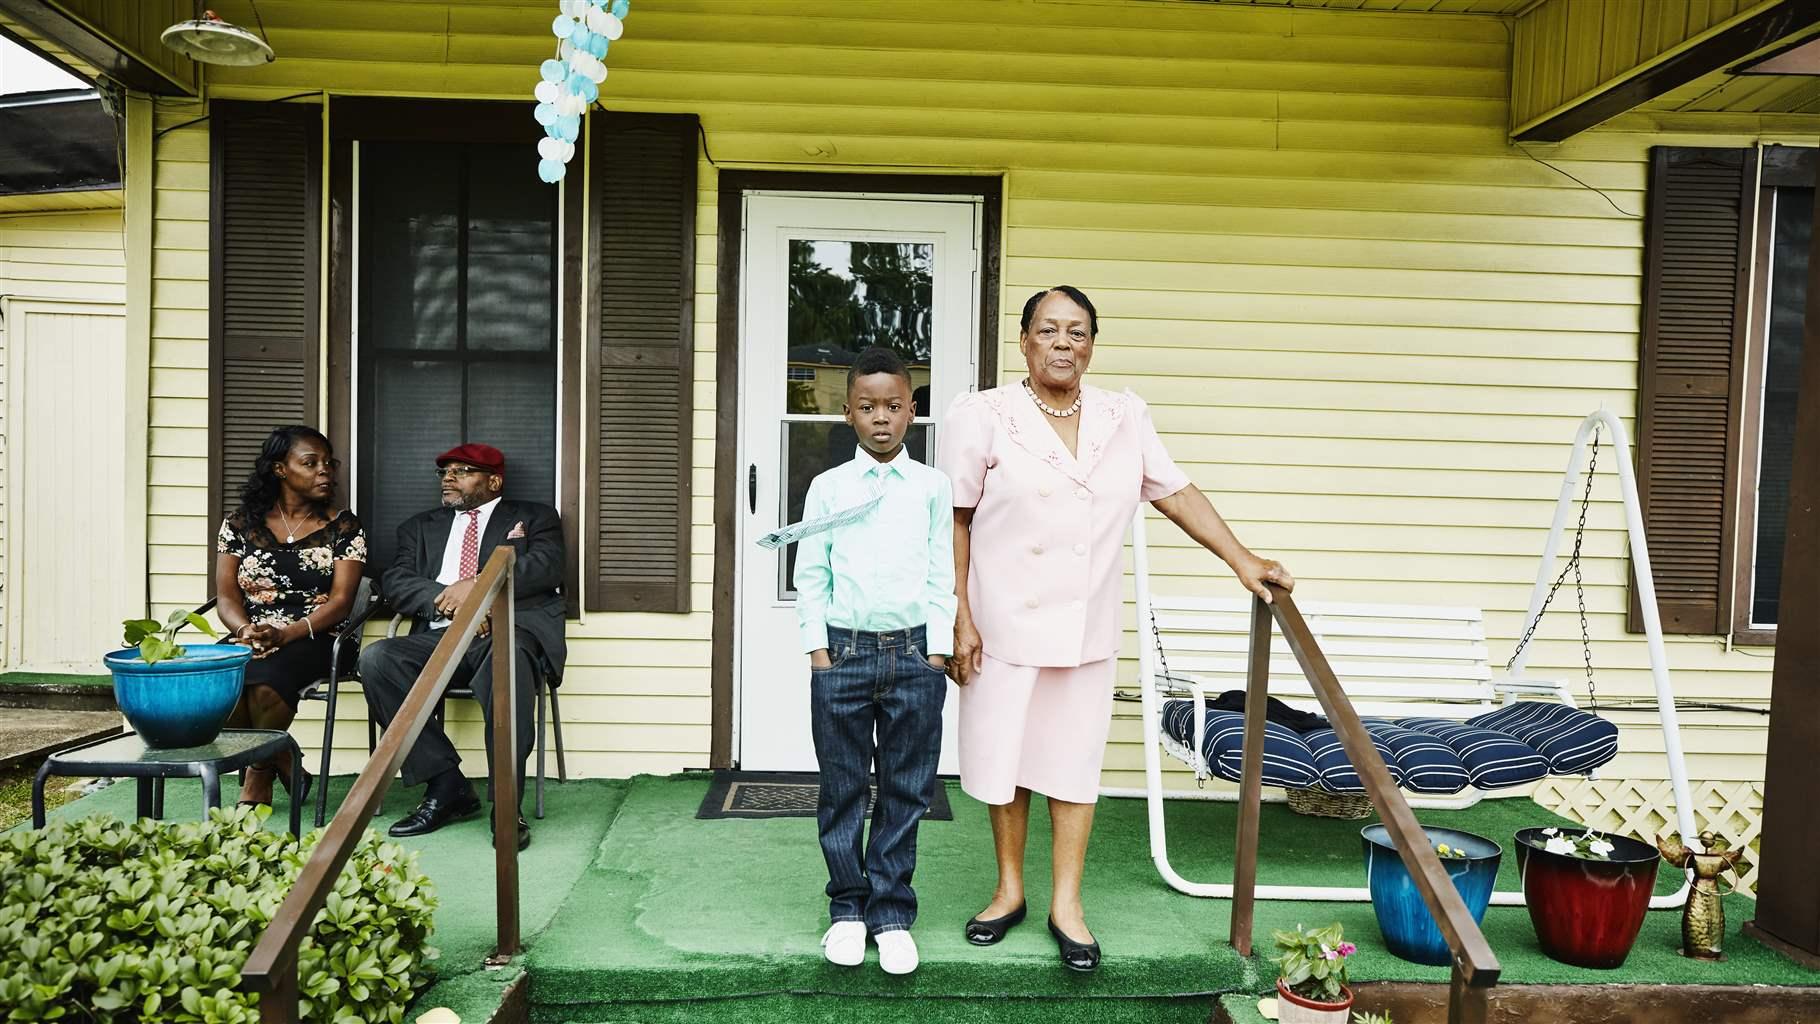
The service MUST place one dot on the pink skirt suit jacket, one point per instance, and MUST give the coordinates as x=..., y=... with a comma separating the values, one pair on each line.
x=1046, y=561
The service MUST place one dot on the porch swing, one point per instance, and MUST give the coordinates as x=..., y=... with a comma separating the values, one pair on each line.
x=1419, y=675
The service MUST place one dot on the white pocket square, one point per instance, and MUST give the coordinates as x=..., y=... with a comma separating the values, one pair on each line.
x=517, y=531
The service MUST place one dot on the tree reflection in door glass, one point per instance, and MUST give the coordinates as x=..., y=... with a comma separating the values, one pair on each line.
x=845, y=297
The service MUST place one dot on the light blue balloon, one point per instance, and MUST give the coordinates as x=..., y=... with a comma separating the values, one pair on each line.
x=563, y=26
x=553, y=70
x=589, y=91
x=551, y=170
x=598, y=46
x=620, y=7
x=580, y=37
x=545, y=114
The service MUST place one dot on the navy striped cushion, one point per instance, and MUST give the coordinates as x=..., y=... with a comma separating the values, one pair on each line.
x=1493, y=760
x=1287, y=760
x=1428, y=765
x=1573, y=742
x=1337, y=773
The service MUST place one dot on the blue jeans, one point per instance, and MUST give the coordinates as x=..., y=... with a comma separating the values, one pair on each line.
x=880, y=699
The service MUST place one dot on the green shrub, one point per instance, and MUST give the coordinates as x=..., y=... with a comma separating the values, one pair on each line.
x=103, y=920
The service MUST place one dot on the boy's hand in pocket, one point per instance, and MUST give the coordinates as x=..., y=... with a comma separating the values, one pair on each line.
x=939, y=661
x=820, y=659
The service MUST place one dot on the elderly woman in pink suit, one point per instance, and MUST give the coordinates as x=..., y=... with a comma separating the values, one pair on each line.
x=1047, y=474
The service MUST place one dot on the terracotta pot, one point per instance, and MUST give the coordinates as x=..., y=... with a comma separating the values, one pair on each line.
x=1294, y=1009
x=1587, y=912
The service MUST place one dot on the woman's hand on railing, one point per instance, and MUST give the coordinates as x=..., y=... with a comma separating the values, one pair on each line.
x=1255, y=573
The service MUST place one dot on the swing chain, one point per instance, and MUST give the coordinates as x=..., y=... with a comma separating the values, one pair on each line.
x=1572, y=566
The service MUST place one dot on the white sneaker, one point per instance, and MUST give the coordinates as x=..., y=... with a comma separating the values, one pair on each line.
x=844, y=944
x=896, y=951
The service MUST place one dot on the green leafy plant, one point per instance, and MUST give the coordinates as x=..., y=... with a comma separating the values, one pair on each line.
x=145, y=922
x=1371, y=1018
x=156, y=642
x=1312, y=963
x=1590, y=844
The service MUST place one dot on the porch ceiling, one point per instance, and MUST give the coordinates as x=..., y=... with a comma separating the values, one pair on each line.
x=1502, y=8
x=1725, y=92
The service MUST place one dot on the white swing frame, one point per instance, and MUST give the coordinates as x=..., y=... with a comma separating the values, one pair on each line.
x=1153, y=686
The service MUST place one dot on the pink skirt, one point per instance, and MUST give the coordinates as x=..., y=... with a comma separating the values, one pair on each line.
x=1041, y=729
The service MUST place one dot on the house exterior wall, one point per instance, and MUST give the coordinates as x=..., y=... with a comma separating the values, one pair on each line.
x=74, y=256
x=1366, y=325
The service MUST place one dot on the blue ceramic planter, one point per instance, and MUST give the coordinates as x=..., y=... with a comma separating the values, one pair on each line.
x=180, y=702
x=1409, y=930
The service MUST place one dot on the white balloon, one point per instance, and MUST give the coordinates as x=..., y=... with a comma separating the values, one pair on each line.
x=573, y=8
x=550, y=148
x=598, y=73
x=597, y=19
x=614, y=27
x=565, y=50
x=575, y=105
x=547, y=92
x=568, y=151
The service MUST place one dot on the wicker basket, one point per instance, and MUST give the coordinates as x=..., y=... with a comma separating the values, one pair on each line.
x=1318, y=803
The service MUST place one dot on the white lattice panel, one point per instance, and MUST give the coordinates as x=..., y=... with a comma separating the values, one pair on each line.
x=1645, y=808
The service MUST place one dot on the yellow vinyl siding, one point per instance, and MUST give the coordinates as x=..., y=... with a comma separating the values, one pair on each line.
x=1367, y=325
x=74, y=256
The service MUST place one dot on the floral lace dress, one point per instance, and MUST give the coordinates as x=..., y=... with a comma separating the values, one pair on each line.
x=280, y=583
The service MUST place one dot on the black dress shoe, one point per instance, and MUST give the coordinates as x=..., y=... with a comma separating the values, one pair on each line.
x=299, y=793
x=986, y=933
x=434, y=813
x=1076, y=956
x=524, y=832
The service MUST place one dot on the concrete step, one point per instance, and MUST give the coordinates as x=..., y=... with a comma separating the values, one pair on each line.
x=27, y=735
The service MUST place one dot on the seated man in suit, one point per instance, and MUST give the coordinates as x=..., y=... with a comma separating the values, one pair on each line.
x=440, y=552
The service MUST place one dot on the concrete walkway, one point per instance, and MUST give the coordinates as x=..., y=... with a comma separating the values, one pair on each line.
x=28, y=734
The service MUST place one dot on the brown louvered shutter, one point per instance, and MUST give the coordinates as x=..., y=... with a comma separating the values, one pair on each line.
x=1696, y=285
x=264, y=218
x=643, y=193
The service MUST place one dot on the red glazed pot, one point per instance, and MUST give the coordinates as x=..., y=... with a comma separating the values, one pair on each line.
x=1587, y=912
x=1294, y=1009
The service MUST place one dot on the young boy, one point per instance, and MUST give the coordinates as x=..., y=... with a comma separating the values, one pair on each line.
x=875, y=599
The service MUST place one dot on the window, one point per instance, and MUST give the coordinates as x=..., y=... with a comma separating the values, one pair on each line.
x=1772, y=374
x=457, y=309
x=1725, y=275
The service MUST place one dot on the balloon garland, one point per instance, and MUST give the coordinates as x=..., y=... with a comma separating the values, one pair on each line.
x=571, y=79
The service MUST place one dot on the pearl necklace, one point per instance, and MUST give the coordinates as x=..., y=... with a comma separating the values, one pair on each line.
x=1060, y=414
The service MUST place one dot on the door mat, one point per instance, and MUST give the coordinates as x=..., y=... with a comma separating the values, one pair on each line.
x=788, y=795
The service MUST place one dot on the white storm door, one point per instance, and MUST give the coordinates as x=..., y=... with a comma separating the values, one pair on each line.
x=823, y=278
x=67, y=503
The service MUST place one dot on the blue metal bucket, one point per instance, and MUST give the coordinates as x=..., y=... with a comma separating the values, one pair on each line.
x=179, y=702
x=1409, y=930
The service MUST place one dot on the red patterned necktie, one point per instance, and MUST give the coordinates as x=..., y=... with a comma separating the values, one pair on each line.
x=470, y=545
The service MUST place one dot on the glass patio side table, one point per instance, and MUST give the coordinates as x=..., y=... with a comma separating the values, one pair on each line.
x=127, y=756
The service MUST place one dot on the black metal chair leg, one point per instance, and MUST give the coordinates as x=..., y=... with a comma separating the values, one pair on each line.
x=562, y=768
x=328, y=746
x=540, y=690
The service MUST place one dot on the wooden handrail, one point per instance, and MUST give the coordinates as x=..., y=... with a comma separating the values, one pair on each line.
x=271, y=969
x=1475, y=968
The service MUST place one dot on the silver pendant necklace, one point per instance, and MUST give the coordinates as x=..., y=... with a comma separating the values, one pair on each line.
x=290, y=532
x=1060, y=414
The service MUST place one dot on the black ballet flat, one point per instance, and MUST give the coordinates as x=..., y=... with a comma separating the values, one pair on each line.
x=1076, y=956
x=301, y=792
x=986, y=933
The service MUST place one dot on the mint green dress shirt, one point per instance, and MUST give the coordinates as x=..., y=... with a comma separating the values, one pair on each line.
x=894, y=568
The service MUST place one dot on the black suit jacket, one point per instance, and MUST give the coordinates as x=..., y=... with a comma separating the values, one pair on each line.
x=410, y=583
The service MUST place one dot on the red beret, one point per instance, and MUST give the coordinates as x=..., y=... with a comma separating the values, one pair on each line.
x=480, y=456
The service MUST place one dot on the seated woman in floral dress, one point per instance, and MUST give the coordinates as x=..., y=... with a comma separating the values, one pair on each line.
x=286, y=572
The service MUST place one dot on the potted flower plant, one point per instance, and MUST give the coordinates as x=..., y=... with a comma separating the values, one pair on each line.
x=175, y=696
x=1587, y=892
x=1311, y=976
x=1409, y=930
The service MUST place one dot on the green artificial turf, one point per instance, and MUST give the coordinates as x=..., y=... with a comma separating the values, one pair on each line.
x=54, y=679
x=679, y=909
x=634, y=910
